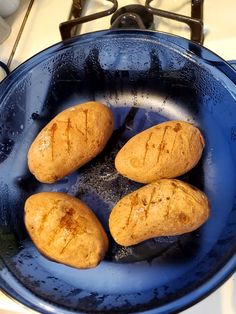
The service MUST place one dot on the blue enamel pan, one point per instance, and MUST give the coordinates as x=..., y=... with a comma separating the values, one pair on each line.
x=146, y=78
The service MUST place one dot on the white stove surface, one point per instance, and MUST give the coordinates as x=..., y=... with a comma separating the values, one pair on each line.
x=41, y=31
x=219, y=21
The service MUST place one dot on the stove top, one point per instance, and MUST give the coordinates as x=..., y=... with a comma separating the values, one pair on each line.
x=35, y=26
x=218, y=19
x=144, y=15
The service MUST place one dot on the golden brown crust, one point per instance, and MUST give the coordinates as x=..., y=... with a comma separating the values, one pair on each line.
x=65, y=230
x=167, y=150
x=166, y=207
x=70, y=140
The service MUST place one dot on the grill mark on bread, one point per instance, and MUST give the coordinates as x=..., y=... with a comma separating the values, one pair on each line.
x=169, y=199
x=66, y=245
x=173, y=145
x=53, y=237
x=53, y=131
x=194, y=132
x=134, y=226
x=149, y=203
x=72, y=226
x=134, y=202
x=44, y=219
x=86, y=125
x=147, y=147
x=75, y=227
x=68, y=128
x=161, y=146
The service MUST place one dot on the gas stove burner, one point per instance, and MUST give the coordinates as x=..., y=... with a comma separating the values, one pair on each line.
x=132, y=16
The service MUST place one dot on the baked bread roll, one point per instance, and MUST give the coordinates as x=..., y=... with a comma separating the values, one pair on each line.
x=166, y=150
x=70, y=140
x=166, y=207
x=65, y=230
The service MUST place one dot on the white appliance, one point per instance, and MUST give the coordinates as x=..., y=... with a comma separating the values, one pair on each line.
x=38, y=29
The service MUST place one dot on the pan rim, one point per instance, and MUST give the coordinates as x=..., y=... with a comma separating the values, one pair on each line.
x=179, y=304
x=89, y=36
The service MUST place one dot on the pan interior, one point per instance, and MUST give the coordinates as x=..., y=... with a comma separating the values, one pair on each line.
x=143, y=86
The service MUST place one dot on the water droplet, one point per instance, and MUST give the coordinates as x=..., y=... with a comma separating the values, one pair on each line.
x=5, y=149
x=35, y=116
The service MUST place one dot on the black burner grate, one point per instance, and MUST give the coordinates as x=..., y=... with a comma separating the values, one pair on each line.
x=135, y=16
x=195, y=22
